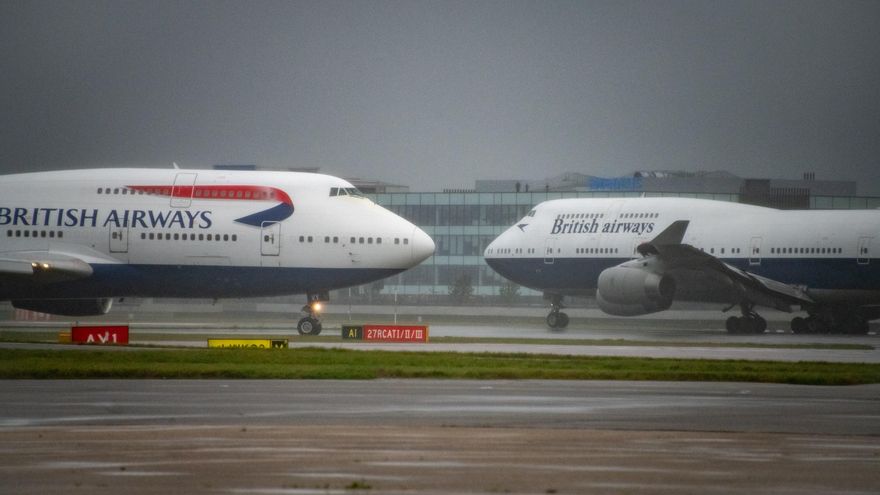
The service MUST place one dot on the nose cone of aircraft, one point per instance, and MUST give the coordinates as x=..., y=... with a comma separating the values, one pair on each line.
x=422, y=246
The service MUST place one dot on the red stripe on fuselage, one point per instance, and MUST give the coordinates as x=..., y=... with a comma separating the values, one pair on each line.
x=246, y=193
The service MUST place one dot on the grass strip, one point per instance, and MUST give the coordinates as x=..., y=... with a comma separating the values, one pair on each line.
x=146, y=339
x=312, y=363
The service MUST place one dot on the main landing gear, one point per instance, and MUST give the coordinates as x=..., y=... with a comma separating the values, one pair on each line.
x=311, y=323
x=825, y=322
x=556, y=320
x=749, y=323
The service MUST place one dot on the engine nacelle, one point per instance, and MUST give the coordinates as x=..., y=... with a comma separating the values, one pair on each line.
x=66, y=307
x=632, y=291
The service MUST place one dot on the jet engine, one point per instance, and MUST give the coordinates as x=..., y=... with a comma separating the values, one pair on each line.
x=66, y=307
x=633, y=291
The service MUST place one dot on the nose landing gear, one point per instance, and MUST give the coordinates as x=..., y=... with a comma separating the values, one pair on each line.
x=556, y=320
x=311, y=323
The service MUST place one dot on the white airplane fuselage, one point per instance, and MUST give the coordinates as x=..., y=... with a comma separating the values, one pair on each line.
x=563, y=246
x=194, y=233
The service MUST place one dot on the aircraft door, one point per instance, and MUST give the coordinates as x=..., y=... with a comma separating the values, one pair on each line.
x=270, y=239
x=118, y=239
x=755, y=251
x=354, y=252
x=182, y=191
x=550, y=251
x=864, y=253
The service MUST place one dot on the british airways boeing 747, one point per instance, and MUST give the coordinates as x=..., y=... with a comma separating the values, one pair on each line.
x=72, y=241
x=638, y=255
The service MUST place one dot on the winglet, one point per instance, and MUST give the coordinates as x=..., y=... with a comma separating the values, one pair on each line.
x=671, y=236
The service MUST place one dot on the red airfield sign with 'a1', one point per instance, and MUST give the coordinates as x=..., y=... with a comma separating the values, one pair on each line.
x=100, y=335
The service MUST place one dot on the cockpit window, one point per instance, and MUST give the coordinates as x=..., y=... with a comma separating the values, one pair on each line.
x=531, y=213
x=345, y=191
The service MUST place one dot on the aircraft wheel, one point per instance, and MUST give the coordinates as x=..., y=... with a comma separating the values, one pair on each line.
x=308, y=326
x=563, y=320
x=733, y=325
x=798, y=325
x=814, y=325
x=759, y=325
x=855, y=325
x=553, y=319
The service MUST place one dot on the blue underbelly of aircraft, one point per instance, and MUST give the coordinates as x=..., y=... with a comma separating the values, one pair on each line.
x=581, y=274
x=201, y=281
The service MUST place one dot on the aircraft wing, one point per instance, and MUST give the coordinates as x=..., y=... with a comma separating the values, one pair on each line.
x=42, y=267
x=674, y=254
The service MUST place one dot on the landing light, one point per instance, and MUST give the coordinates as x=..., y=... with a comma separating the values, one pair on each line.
x=316, y=307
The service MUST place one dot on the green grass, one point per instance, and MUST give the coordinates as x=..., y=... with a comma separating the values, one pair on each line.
x=313, y=363
x=146, y=339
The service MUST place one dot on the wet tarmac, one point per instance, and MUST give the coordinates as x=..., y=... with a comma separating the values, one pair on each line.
x=429, y=436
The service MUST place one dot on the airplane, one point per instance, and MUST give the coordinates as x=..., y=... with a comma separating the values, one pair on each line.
x=638, y=255
x=73, y=241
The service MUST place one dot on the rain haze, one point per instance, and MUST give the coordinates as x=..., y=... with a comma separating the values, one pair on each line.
x=438, y=94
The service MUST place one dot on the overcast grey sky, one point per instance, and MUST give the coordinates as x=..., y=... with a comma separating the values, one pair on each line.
x=437, y=94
